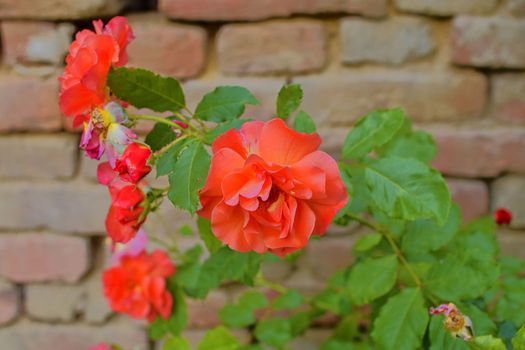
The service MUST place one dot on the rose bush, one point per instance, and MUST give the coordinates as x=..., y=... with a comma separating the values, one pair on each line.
x=420, y=277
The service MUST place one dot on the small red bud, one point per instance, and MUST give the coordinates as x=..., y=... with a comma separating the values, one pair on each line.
x=502, y=216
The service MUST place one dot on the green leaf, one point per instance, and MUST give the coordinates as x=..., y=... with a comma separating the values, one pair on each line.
x=165, y=163
x=423, y=236
x=481, y=322
x=288, y=100
x=402, y=321
x=178, y=318
x=207, y=236
x=218, y=339
x=299, y=323
x=408, y=189
x=506, y=331
x=242, y=314
x=367, y=242
x=222, y=128
x=304, y=123
x=513, y=299
x=275, y=332
x=372, y=278
x=417, y=144
x=224, y=103
x=372, y=131
x=290, y=300
x=188, y=176
x=468, y=268
x=144, y=89
x=486, y=342
x=440, y=339
x=518, y=342
x=223, y=265
x=160, y=136
x=176, y=343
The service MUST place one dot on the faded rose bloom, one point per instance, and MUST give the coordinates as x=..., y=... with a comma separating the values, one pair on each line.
x=104, y=132
x=455, y=322
x=502, y=216
x=269, y=188
x=132, y=165
x=137, y=285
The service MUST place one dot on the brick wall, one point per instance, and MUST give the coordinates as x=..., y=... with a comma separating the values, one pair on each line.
x=456, y=66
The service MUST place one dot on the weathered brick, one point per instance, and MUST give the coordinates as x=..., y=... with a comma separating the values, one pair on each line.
x=37, y=336
x=167, y=48
x=337, y=249
x=35, y=42
x=303, y=280
x=488, y=42
x=37, y=257
x=60, y=9
x=312, y=339
x=515, y=7
x=394, y=41
x=64, y=207
x=338, y=99
x=507, y=192
x=508, y=96
x=276, y=271
x=272, y=47
x=447, y=7
x=251, y=10
x=9, y=302
x=264, y=89
x=28, y=103
x=472, y=197
x=38, y=156
x=205, y=313
x=511, y=242
x=479, y=151
x=88, y=168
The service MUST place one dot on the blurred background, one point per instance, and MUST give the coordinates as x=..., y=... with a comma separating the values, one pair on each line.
x=456, y=66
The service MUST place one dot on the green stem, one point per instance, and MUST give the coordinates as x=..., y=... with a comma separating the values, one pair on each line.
x=263, y=282
x=391, y=240
x=168, y=146
x=155, y=119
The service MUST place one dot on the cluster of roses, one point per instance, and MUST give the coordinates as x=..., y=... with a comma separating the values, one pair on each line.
x=136, y=284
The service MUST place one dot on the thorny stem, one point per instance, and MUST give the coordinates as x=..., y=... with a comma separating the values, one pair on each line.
x=168, y=146
x=263, y=282
x=390, y=238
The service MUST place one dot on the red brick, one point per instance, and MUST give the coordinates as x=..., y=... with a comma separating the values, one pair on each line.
x=507, y=192
x=35, y=257
x=37, y=336
x=167, y=48
x=326, y=256
x=508, y=96
x=205, y=313
x=63, y=207
x=488, y=42
x=394, y=41
x=250, y=10
x=272, y=47
x=35, y=42
x=9, y=302
x=479, y=151
x=60, y=9
x=338, y=99
x=446, y=7
x=472, y=197
x=38, y=156
x=28, y=103
x=512, y=242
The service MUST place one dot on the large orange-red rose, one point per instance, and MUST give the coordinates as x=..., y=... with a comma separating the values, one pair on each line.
x=269, y=188
x=137, y=286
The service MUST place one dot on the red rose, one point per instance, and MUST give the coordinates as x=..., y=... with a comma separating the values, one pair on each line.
x=137, y=286
x=124, y=216
x=502, y=216
x=132, y=164
x=83, y=83
x=269, y=188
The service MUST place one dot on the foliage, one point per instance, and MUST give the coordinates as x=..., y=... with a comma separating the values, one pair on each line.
x=415, y=254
